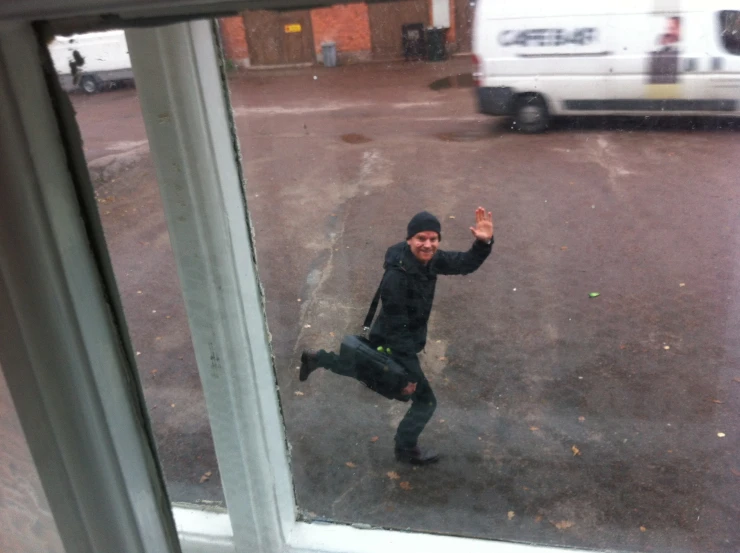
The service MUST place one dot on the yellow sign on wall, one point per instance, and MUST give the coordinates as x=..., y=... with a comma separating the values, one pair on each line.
x=293, y=28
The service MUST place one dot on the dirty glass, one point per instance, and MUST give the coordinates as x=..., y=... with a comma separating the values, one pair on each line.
x=26, y=523
x=95, y=70
x=586, y=374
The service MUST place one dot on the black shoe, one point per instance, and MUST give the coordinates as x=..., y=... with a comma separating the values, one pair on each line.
x=417, y=456
x=309, y=363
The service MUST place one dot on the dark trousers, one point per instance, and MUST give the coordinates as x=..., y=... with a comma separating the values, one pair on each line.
x=423, y=402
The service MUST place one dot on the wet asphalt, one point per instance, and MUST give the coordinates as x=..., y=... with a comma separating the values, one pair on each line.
x=606, y=422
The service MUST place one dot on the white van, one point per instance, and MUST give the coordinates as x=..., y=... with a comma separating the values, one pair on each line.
x=540, y=58
x=91, y=60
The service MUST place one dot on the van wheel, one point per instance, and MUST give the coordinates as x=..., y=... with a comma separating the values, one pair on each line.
x=530, y=114
x=90, y=84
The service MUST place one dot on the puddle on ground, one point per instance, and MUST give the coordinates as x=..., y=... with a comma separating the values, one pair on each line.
x=354, y=138
x=461, y=136
x=461, y=80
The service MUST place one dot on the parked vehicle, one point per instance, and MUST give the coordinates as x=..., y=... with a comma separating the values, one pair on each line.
x=91, y=61
x=538, y=59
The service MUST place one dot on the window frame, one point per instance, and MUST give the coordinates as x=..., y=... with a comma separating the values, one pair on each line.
x=184, y=97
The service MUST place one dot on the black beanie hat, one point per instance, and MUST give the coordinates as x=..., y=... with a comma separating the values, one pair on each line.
x=422, y=222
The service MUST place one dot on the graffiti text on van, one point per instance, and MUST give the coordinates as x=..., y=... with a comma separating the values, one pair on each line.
x=548, y=37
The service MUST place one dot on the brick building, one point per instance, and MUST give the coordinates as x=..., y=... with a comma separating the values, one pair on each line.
x=361, y=31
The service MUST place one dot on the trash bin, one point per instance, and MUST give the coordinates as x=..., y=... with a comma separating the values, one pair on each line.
x=412, y=38
x=436, y=39
x=329, y=53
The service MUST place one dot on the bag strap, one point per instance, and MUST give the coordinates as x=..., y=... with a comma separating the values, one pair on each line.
x=373, y=308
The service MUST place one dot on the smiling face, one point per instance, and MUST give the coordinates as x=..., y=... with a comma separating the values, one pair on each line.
x=424, y=245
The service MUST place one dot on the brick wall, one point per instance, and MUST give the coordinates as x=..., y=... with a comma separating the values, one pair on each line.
x=451, y=38
x=347, y=25
x=234, y=38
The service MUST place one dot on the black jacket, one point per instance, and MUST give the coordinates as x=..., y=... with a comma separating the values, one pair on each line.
x=407, y=292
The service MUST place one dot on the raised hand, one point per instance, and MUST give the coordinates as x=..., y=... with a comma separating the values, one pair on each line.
x=483, y=229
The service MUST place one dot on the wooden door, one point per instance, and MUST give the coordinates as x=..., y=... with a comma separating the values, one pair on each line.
x=279, y=38
x=464, y=24
x=386, y=20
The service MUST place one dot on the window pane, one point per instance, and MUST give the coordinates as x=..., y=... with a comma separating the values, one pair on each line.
x=104, y=97
x=585, y=374
x=26, y=523
x=730, y=29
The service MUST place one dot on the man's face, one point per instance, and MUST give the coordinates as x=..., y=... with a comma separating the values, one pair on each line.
x=424, y=245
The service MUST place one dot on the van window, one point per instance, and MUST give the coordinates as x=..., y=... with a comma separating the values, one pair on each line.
x=730, y=25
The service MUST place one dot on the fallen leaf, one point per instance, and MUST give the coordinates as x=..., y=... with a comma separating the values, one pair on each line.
x=735, y=472
x=682, y=284
x=331, y=334
x=172, y=405
x=721, y=434
x=299, y=393
x=138, y=292
x=158, y=338
x=350, y=464
x=154, y=371
x=564, y=524
x=538, y=518
x=666, y=347
x=642, y=529
x=168, y=317
x=392, y=475
x=510, y=515
x=306, y=326
x=533, y=428
x=374, y=439
x=443, y=359
x=405, y=486
x=452, y=216
x=206, y=476
x=138, y=353
x=575, y=451
x=581, y=419
x=564, y=248
x=299, y=299
x=717, y=401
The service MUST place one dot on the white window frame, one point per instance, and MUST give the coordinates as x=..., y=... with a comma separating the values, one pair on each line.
x=60, y=305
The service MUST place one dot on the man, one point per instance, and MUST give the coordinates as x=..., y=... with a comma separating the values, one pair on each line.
x=406, y=293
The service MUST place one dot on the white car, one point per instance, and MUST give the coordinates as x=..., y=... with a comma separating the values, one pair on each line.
x=91, y=60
